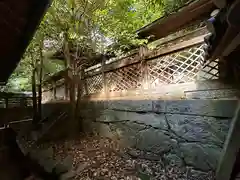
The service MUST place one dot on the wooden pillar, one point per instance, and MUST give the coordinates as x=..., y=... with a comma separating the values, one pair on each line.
x=231, y=149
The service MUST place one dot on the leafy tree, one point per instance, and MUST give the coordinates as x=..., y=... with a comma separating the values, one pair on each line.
x=87, y=26
x=80, y=28
x=93, y=25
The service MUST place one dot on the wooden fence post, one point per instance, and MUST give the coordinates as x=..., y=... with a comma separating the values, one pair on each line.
x=84, y=80
x=105, y=89
x=145, y=78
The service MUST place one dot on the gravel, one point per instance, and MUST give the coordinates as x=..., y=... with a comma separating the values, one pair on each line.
x=98, y=158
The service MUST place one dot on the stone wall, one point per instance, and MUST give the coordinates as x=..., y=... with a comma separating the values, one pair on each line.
x=187, y=132
x=184, y=132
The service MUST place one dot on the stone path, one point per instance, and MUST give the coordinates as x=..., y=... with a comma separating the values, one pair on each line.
x=97, y=158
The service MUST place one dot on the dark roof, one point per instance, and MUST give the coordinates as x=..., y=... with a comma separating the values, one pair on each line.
x=18, y=22
x=185, y=16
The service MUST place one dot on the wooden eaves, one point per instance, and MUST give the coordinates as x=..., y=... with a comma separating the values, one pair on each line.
x=191, y=13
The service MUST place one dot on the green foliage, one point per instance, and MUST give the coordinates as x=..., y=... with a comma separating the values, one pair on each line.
x=90, y=25
x=120, y=19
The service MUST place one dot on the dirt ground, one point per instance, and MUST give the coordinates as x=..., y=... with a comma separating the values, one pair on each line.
x=98, y=158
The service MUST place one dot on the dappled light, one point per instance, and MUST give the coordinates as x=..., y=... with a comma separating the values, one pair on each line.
x=120, y=90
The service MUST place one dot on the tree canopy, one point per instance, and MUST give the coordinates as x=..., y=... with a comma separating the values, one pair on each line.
x=93, y=25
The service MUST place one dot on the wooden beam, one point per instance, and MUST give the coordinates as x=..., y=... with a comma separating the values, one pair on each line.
x=232, y=45
x=183, y=36
x=227, y=38
x=184, y=17
x=231, y=149
x=177, y=47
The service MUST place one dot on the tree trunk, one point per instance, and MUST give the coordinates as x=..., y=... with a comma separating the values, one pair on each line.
x=40, y=86
x=72, y=94
x=34, y=98
x=79, y=97
x=40, y=95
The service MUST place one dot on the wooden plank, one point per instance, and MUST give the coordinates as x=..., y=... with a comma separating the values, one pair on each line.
x=171, y=91
x=232, y=45
x=169, y=40
x=176, y=47
x=231, y=149
x=227, y=38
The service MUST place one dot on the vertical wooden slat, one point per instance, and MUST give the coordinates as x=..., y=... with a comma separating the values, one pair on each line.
x=145, y=83
x=104, y=76
x=142, y=52
x=231, y=149
x=84, y=80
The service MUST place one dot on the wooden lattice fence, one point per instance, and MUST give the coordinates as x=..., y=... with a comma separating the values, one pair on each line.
x=181, y=66
x=174, y=63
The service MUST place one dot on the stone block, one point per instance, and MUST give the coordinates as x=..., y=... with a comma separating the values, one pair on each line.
x=199, y=128
x=212, y=94
x=216, y=108
x=104, y=130
x=155, y=141
x=127, y=133
x=131, y=105
x=199, y=156
x=173, y=159
x=107, y=116
x=147, y=119
x=100, y=104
